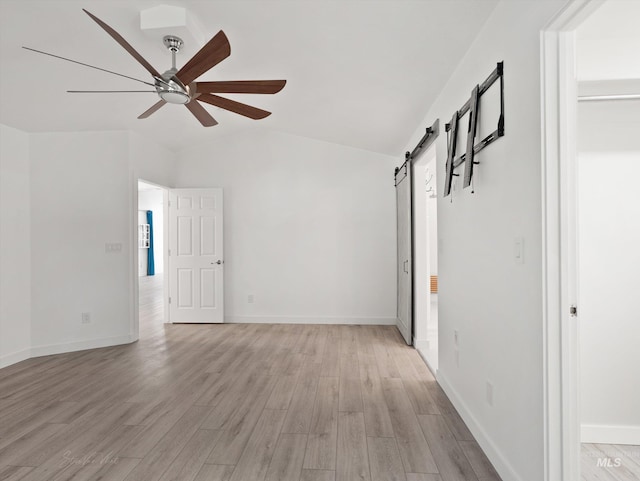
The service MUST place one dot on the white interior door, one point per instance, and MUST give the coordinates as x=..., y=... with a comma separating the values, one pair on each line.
x=405, y=275
x=196, y=256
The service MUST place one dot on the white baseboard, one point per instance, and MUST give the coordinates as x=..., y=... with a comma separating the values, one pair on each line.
x=423, y=347
x=80, y=345
x=499, y=461
x=48, y=350
x=604, y=434
x=14, y=357
x=369, y=321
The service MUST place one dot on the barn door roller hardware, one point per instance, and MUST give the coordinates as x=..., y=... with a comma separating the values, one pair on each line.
x=427, y=139
x=473, y=107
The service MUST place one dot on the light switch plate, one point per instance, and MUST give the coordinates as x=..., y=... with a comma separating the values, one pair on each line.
x=518, y=250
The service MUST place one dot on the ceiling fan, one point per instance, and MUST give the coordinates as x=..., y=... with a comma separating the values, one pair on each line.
x=178, y=86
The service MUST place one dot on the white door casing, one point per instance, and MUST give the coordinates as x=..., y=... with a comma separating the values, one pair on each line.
x=196, y=262
x=405, y=263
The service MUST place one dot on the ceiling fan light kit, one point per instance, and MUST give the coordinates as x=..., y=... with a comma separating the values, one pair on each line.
x=178, y=86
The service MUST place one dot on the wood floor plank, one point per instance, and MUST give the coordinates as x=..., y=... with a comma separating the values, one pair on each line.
x=317, y=475
x=83, y=455
x=282, y=392
x=255, y=460
x=160, y=457
x=286, y=464
x=331, y=358
x=423, y=477
x=298, y=419
x=479, y=462
x=236, y=401
x=352, y=462
x=376, y=415
x=14, y=473
x=215, y=472
x=451, y=416
x=19, y=452
x=323, y=434
x=414, y=450
x=452, y=464
x=116, y=469
x=239, y=429
x=14, y=430
x=187, y=464
x=384, y=459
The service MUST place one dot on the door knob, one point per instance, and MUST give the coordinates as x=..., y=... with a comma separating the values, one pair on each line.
x=217, y=262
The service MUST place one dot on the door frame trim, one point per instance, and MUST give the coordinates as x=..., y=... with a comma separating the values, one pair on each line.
x=559, y=275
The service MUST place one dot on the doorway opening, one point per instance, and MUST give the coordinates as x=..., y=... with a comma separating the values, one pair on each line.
x=151, y=258
x=608, y=233
x=591, y=87
x=425, y=252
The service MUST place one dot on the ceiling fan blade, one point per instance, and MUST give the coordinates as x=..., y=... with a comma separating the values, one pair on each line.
x=151, y=110
x=201, y=114
x=118, y=38
x=233, y=106
x=87, y=65
x=241, y=87
x=214, y=52
x=110, y=91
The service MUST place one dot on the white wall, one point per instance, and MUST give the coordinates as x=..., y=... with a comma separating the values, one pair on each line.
x=153, y=200
x=80, y=199
x=494, y=302
x=15, y=245
x=83, y=187
x=309, y=227
x=609, y=272
x=608, y=42
x=150, y=161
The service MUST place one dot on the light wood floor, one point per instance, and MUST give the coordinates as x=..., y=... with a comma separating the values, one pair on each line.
x=243, y=402
x=610, y=462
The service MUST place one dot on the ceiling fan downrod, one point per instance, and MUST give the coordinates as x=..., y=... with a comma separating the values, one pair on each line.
x=169, y=87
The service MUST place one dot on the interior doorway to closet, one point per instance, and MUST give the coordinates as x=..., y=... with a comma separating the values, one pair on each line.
x=425, y=252
x=152, y=201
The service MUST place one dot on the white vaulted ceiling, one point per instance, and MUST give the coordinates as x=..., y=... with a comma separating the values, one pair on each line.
x=360, y=73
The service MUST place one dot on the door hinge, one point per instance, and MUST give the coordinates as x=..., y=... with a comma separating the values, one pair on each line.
x=573, y=311
x=169, y=251
x=169, y=300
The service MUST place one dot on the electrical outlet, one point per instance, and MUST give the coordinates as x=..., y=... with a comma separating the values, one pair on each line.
x=456, y=338
x=86, y=318
x=489, y=393
x=250, y=299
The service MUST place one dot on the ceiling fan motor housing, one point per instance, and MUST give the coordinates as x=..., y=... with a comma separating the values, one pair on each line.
x=172, y=90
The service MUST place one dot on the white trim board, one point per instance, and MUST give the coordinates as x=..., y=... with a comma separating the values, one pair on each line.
x=499, y=461
x=363, y=321
x=422, y=352
x=67, y=347
x=558, y=124
x=14, y=358
x=603, y=434
x=51, y=349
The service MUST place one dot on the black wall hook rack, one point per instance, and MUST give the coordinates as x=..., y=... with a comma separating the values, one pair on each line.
x=473, y=107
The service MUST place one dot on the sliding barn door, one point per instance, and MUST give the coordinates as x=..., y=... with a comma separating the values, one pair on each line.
x=195, y=256
x=405, y=276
